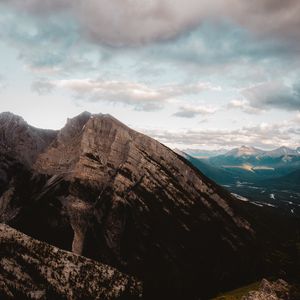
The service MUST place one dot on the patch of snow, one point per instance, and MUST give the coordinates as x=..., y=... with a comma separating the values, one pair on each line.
x=239, y=197
x=257, y=204
x=270, y=205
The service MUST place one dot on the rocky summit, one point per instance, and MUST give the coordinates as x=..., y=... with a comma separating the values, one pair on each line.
x=107, y=192
x=21, y=140
x=276, y=290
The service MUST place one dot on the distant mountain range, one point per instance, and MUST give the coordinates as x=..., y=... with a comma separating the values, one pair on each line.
x=275, y=163
x=246, y=163
x=204, y=153
x=243, y=151
x=264, y=176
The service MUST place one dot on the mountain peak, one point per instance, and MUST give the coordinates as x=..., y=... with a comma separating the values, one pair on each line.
x=244, y=151
x=8, y=117
x=21, y=140
x=284, y=148
x=282, y=151
x=85, y=144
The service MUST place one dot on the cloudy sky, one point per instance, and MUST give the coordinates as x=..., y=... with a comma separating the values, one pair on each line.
x=190, y=73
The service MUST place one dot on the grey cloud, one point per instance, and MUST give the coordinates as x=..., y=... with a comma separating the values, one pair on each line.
x=58, y=45
x=138, y=95
x=46, y=44
x=271, y=18
x=273, y=95
x=135, y=22
x=243, y=105
x=3, y=83
x=264, y=136
x=42, y=87
x=127, y=22
x=39, y=7
x=193, y=111
x=297, y=118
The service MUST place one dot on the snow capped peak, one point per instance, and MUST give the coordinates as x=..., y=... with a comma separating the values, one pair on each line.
x=252, y=151
x=244, y=151
x=282, y=151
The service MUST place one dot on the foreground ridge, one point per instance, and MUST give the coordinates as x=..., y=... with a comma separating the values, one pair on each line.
x=30, y=269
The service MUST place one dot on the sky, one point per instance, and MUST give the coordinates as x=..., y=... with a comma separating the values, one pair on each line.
x=189, y=73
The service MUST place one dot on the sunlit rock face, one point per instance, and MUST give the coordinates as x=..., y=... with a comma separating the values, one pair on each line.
x=274, y=290
x=115, y=195
x=30, y=269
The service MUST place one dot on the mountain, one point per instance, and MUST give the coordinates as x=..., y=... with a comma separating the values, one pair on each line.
x=104, y=191
x=117, y=196
x=200, y=153
x=244, y=151
x=264, y=290
x=282, y=151
x=252, y=164
x=30, y=269
x=219, y=175
x=261, y=179
x=290, y=181
x=23, y=141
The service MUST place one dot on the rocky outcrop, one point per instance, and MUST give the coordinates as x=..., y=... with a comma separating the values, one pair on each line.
x=117, y=196
x=22, y=141
x=274, y=290
x=30, y=269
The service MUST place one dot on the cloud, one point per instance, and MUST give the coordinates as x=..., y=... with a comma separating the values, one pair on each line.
x=296, y=119
x=272, y=19
x=127, y=22
x=3, y=83
x=274, y=94
x=53, y=37
x=267, y=136
x=193, y=111
x=42, y=87
x=138, y=95
x=47, y=45
x=243, y=105
x=135, y=22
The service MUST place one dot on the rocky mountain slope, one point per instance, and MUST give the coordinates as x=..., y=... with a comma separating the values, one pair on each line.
x=112, y=194
x=21, y=140
x=30, y=269
x=277, y=290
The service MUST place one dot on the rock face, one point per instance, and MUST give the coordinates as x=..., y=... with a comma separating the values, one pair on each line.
x=112, y=194
x=30, y=269
x=22, y=140
x=277, y=290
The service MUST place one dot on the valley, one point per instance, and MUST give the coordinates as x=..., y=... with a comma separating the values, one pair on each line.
x=268, y=178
